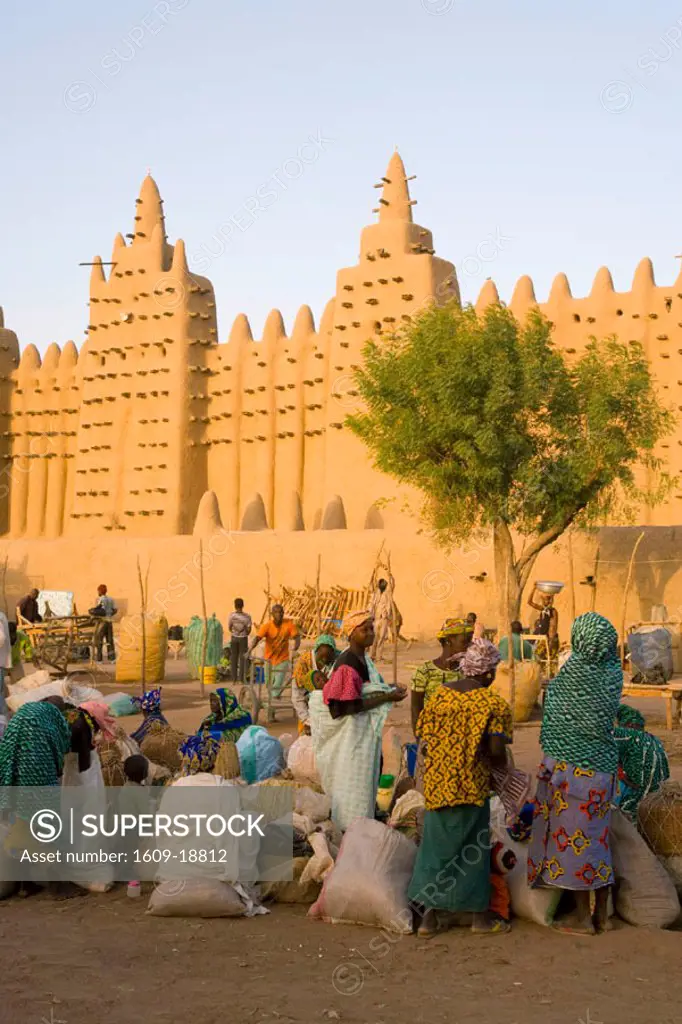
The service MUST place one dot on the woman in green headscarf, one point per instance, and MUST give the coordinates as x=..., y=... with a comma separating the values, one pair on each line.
x=642, y=761
x=570, y=847
x=227, y=720
x=311, y=672
x=32, y=753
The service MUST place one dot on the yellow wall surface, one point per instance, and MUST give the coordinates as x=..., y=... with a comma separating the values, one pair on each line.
x=431, y=585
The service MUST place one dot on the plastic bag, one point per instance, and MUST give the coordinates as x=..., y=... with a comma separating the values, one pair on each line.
x=129, y=649
x=407, y=816
x=316, y=806
x=40, y=685
x=651, y=653
x=121, y=704
x=194, y=641
x=260, y=754
x=301, y=761
x=321, y=863
x=294, y=891
x=369, y=882
x=196, y=897
x=645, y=894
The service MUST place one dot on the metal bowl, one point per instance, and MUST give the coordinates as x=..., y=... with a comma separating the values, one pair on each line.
x=550, y=586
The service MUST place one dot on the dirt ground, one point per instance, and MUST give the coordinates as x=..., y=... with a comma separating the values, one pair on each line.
x=102, y=959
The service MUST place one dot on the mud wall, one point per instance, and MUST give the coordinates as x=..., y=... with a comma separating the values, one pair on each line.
x=430, y=584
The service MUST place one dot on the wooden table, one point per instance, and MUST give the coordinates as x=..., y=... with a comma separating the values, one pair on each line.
x=672, y=691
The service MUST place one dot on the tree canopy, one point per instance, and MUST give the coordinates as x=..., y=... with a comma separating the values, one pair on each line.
x=496, y=427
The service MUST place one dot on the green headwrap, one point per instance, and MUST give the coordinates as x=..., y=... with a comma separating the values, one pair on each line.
x=326, y=640
x=630, y=718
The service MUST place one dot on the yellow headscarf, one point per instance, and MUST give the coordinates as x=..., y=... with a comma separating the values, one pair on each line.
x=454, y=627
x=355, y=619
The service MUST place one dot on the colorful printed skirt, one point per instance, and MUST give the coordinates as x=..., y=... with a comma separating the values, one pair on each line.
x=570, y=846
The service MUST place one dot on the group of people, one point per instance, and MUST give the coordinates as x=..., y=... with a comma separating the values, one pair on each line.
x=596, y=753
x=282, y=641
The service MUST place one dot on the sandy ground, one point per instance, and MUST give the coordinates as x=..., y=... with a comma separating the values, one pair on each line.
x=101, y=959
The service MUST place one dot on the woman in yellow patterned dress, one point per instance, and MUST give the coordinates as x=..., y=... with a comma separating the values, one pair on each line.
x=465, y=728
x=455, y=635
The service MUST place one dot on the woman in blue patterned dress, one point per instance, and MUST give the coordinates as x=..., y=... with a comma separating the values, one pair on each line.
x=570, y=844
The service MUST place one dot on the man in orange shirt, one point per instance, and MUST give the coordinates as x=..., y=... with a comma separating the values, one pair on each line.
x=277, y=633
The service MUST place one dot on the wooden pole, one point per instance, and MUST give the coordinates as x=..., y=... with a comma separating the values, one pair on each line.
x=317, y=595
x=143, y=618
x=626, y=591
x=204, y=642
x=394, y=620
x=4, y=583
x=593, y=602
x=571, y=578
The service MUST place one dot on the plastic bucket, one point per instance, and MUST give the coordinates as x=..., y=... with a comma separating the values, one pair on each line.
x=210, y=675
x=411, y=758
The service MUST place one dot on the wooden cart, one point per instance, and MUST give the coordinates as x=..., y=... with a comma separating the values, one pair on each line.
x=56, y=643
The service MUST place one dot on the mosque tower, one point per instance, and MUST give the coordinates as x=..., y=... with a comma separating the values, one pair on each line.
x=398, y=274
x=151, y=326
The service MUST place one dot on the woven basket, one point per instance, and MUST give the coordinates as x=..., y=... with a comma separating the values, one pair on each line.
x=660, y=820
x=161, y=745
x=227, y=761
x=112, y=764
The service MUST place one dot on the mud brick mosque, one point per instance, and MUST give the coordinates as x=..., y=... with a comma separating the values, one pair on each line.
x=157, y=431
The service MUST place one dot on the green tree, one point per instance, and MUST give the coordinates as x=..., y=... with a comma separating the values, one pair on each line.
x=499, y=431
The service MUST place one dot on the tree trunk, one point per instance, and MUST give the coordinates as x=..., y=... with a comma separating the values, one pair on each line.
x=507, y=584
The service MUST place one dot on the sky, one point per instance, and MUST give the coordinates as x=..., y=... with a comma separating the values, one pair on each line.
x=544, y=138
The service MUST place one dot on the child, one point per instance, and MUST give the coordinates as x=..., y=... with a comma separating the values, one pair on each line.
x=501, y=863
x=136, y=770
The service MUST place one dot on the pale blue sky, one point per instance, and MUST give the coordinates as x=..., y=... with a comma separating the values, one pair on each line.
x=505, y=111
